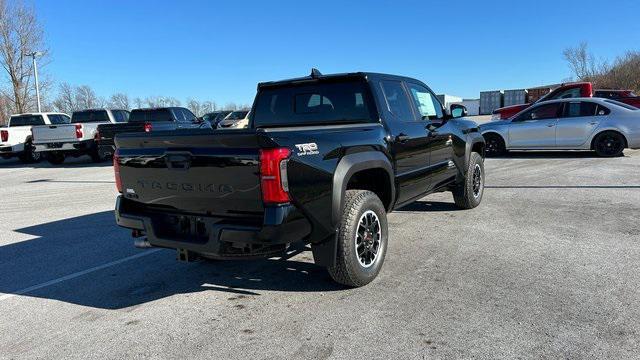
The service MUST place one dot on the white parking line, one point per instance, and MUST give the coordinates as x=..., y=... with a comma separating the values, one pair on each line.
x=75, y=275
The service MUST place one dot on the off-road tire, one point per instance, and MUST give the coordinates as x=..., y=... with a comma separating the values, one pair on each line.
x=469, y=194
x=348, y=269
x=55, y=158
x=29, y=155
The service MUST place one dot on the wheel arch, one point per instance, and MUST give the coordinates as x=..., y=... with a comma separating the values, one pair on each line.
x=363, y=169
x=592, y=142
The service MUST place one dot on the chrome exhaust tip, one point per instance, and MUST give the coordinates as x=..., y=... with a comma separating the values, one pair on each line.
x=142, y=243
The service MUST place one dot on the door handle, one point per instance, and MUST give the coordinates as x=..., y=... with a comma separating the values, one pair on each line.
x=178, y=161
x=551, y=125
x=402, y=138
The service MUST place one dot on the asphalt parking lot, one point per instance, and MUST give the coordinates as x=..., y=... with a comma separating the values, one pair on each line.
x=546, y=267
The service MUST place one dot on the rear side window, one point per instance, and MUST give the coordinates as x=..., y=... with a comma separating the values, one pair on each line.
x=578, y=109
x=26, y=120
x=150, y=115
x=397, y=100
x=89, y=116
x=315, y=103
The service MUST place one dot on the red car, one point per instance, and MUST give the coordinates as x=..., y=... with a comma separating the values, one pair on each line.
x=571, y=90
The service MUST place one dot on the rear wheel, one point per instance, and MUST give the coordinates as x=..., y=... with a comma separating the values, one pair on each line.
x=55, y=158
x=362, y=239
x=495, y=145
x=97, y=156
x=469, y=194
x=30, y=155
x=609, y=144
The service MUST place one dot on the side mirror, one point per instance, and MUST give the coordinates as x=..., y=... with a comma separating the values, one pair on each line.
x=458, y=111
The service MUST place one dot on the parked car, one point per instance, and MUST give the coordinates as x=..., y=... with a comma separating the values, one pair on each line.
x=596, y=124
x=215, y=117
x=78, y=138
x=147, y=120
x=233, y=118
x=324, y=159
x=570, y=90
x=16, y=139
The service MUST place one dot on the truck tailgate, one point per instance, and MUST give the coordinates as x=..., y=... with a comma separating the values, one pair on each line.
x=54, y=133
x=200, y=173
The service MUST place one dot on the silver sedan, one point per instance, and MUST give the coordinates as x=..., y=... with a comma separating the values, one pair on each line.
x=601, y=125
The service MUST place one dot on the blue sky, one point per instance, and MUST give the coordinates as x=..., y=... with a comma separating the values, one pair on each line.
x=219, y=50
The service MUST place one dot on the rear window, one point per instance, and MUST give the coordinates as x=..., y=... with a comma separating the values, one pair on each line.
x=621, y=104
x=237, y=115
x=329, y=102
x=150, y=115
x=26, y=120
x=89, y=116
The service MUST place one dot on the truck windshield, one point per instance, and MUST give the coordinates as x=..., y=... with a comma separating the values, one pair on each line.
x=150, y=115
x=26, y=120
x=89, y=116
x=312, y=103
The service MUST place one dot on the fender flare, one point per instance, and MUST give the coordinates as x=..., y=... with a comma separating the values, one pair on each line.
x=472, y=140
x=351, y=164
x=324, y=252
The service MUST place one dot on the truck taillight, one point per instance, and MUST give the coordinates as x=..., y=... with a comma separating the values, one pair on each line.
x=79, y=133
x=273, y=175
x=116, y=171
x=96, y=137
x=148, y=127
x=4, y=135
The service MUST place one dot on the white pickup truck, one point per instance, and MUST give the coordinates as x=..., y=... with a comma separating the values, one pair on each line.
x=77, y=138
x=16, y=138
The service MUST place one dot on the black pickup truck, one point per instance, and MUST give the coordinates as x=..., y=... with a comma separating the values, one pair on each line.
x=324, y=159
x=146, y=120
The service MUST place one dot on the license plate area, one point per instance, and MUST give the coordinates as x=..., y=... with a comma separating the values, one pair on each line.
x=54, y=145
x=187, y=228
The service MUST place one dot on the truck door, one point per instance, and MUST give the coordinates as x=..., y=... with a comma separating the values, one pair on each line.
x=535, y=128
x=408, y=142
x=439, y=140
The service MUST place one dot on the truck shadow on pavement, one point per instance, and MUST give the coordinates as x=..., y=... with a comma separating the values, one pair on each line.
x=80, y=162
x=78, y=261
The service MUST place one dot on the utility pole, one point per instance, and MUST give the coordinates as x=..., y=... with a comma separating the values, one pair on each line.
x=35, y=73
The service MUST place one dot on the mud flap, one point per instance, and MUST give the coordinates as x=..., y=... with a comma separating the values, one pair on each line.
x=324, y=253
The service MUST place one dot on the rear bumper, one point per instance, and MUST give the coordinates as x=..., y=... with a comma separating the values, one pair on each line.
x=215, y=236
x=82, y=146
x=6, y=149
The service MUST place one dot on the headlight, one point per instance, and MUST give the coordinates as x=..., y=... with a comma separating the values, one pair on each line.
x=496, y=116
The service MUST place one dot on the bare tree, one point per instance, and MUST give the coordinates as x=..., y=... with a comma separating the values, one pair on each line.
x=86, y=98
x=231, y=106
x=20, y=34
x=66, y=100
x=119, y=101
x=195, y=106
x=209, y=106
x=139, y=103
x=582, y=63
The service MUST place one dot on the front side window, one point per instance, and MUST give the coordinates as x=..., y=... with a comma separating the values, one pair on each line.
x=188, y=115
x=397, y=100
x=542, y=112
x=426, y=103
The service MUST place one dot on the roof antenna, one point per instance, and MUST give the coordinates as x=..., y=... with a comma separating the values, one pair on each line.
x=315, y=73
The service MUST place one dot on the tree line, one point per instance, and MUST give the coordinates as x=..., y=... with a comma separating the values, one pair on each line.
x=623, y=73
x=20, y=35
